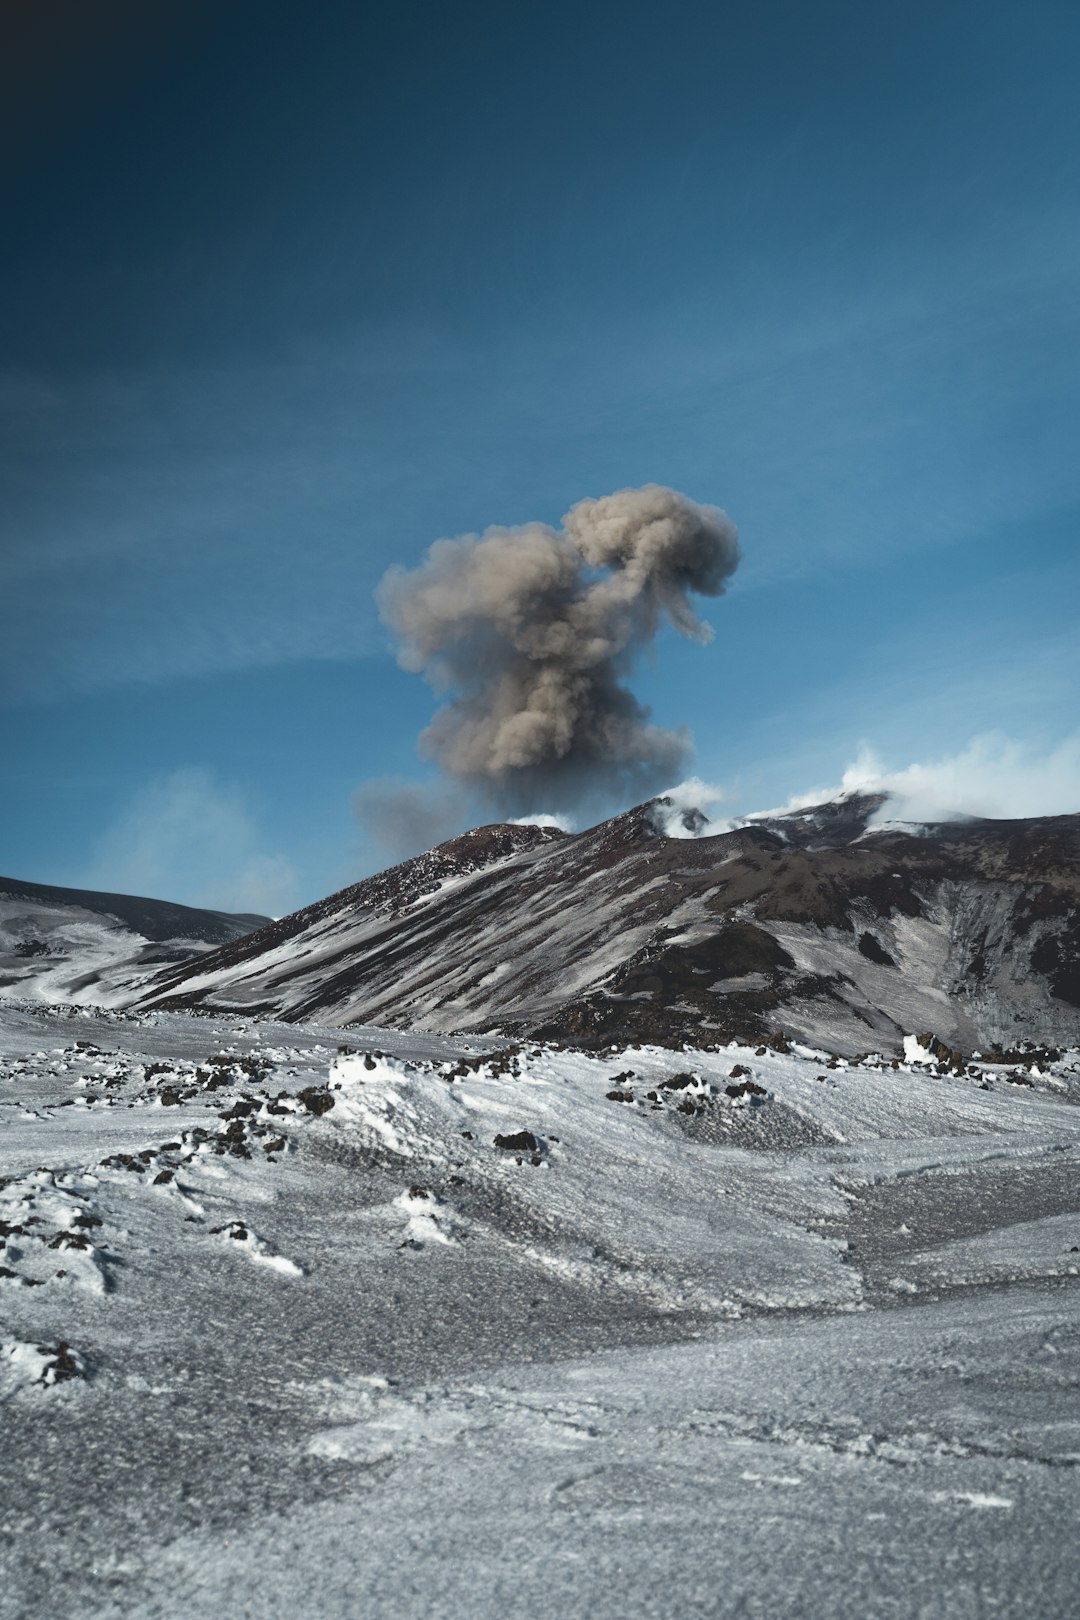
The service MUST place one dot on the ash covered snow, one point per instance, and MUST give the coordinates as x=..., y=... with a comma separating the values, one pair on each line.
x=454, y=1327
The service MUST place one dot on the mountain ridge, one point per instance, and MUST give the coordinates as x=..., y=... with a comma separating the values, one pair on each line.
x=62, y=944
x=810, y=923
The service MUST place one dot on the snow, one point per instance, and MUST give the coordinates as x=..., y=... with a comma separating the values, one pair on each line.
x=801, y=1338
x=55, y=950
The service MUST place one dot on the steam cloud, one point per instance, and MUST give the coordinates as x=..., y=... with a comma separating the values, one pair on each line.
x=533, y=631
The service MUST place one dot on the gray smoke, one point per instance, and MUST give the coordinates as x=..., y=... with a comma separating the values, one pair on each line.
x=402, y=817
x=532, y=632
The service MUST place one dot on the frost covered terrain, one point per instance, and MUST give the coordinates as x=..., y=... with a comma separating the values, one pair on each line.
x=454, y=1327
x=77, y=945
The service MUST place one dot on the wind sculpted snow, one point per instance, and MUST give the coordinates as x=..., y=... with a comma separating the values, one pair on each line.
x=297, y=1321
x=78, y=945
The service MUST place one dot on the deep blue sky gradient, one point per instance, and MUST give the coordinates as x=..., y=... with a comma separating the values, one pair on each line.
x=292, y=290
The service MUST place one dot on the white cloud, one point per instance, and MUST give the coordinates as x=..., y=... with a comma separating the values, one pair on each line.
x=187, y=837
x=993, y=775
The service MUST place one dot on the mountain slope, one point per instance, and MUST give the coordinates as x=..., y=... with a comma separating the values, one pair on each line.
x=814, y=924
x=82, y=946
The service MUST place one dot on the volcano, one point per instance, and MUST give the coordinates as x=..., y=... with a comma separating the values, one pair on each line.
x=816, y=924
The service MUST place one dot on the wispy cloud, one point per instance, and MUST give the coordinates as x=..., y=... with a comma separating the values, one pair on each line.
x=842, y=418
x=189, y=837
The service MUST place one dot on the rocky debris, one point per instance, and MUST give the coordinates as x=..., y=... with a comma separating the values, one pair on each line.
x=46, y=1214
x=230, y=1069
x=123, y=1161
x=69, y=1240
x=38, y=1366
x=947, y=1055
x=518, y=1142
x=745, y=1088
x=490, y=1065
x=1030, y=1054
x=316, y=1099
x=62, y=1364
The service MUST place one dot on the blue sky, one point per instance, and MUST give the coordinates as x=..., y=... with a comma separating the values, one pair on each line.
x=293, y=291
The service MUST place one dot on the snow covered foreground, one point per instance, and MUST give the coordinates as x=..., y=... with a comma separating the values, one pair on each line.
x=286, y=1331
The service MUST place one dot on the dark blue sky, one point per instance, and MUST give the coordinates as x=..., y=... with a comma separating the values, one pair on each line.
x=290, y=291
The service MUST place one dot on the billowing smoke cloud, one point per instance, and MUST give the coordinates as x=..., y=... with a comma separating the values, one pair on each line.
x=532, y=632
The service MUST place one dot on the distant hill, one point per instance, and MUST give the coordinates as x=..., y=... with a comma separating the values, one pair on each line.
x=78, y=945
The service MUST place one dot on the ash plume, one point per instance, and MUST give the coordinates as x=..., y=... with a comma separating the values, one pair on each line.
x=532, y=631
x=400, y=817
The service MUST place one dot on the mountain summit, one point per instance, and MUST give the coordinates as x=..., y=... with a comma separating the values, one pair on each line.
x=808, y=922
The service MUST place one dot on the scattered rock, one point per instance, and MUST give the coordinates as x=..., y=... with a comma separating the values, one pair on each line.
x=316, y=1099
x=69, y=1240
x=65, y=1363
x=124, y=1161
x=745, y=1088
x=517, y=1142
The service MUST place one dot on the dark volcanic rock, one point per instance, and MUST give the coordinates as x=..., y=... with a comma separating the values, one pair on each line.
x=518, y=1142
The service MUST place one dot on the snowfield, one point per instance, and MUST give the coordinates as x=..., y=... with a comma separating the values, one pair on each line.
x=297, y=1321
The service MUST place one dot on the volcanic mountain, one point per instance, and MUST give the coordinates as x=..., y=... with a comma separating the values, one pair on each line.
x=77, y=945
x=812, y=924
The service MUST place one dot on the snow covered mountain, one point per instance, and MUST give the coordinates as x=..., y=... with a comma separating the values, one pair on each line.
x=402, y=1322
x=813, y=924
x=76, y=945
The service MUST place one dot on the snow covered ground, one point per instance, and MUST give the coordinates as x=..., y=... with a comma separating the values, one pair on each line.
x=77, y=946
x=436, y=1327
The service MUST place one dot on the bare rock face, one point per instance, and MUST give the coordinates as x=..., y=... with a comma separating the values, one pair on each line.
x=811, y=925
